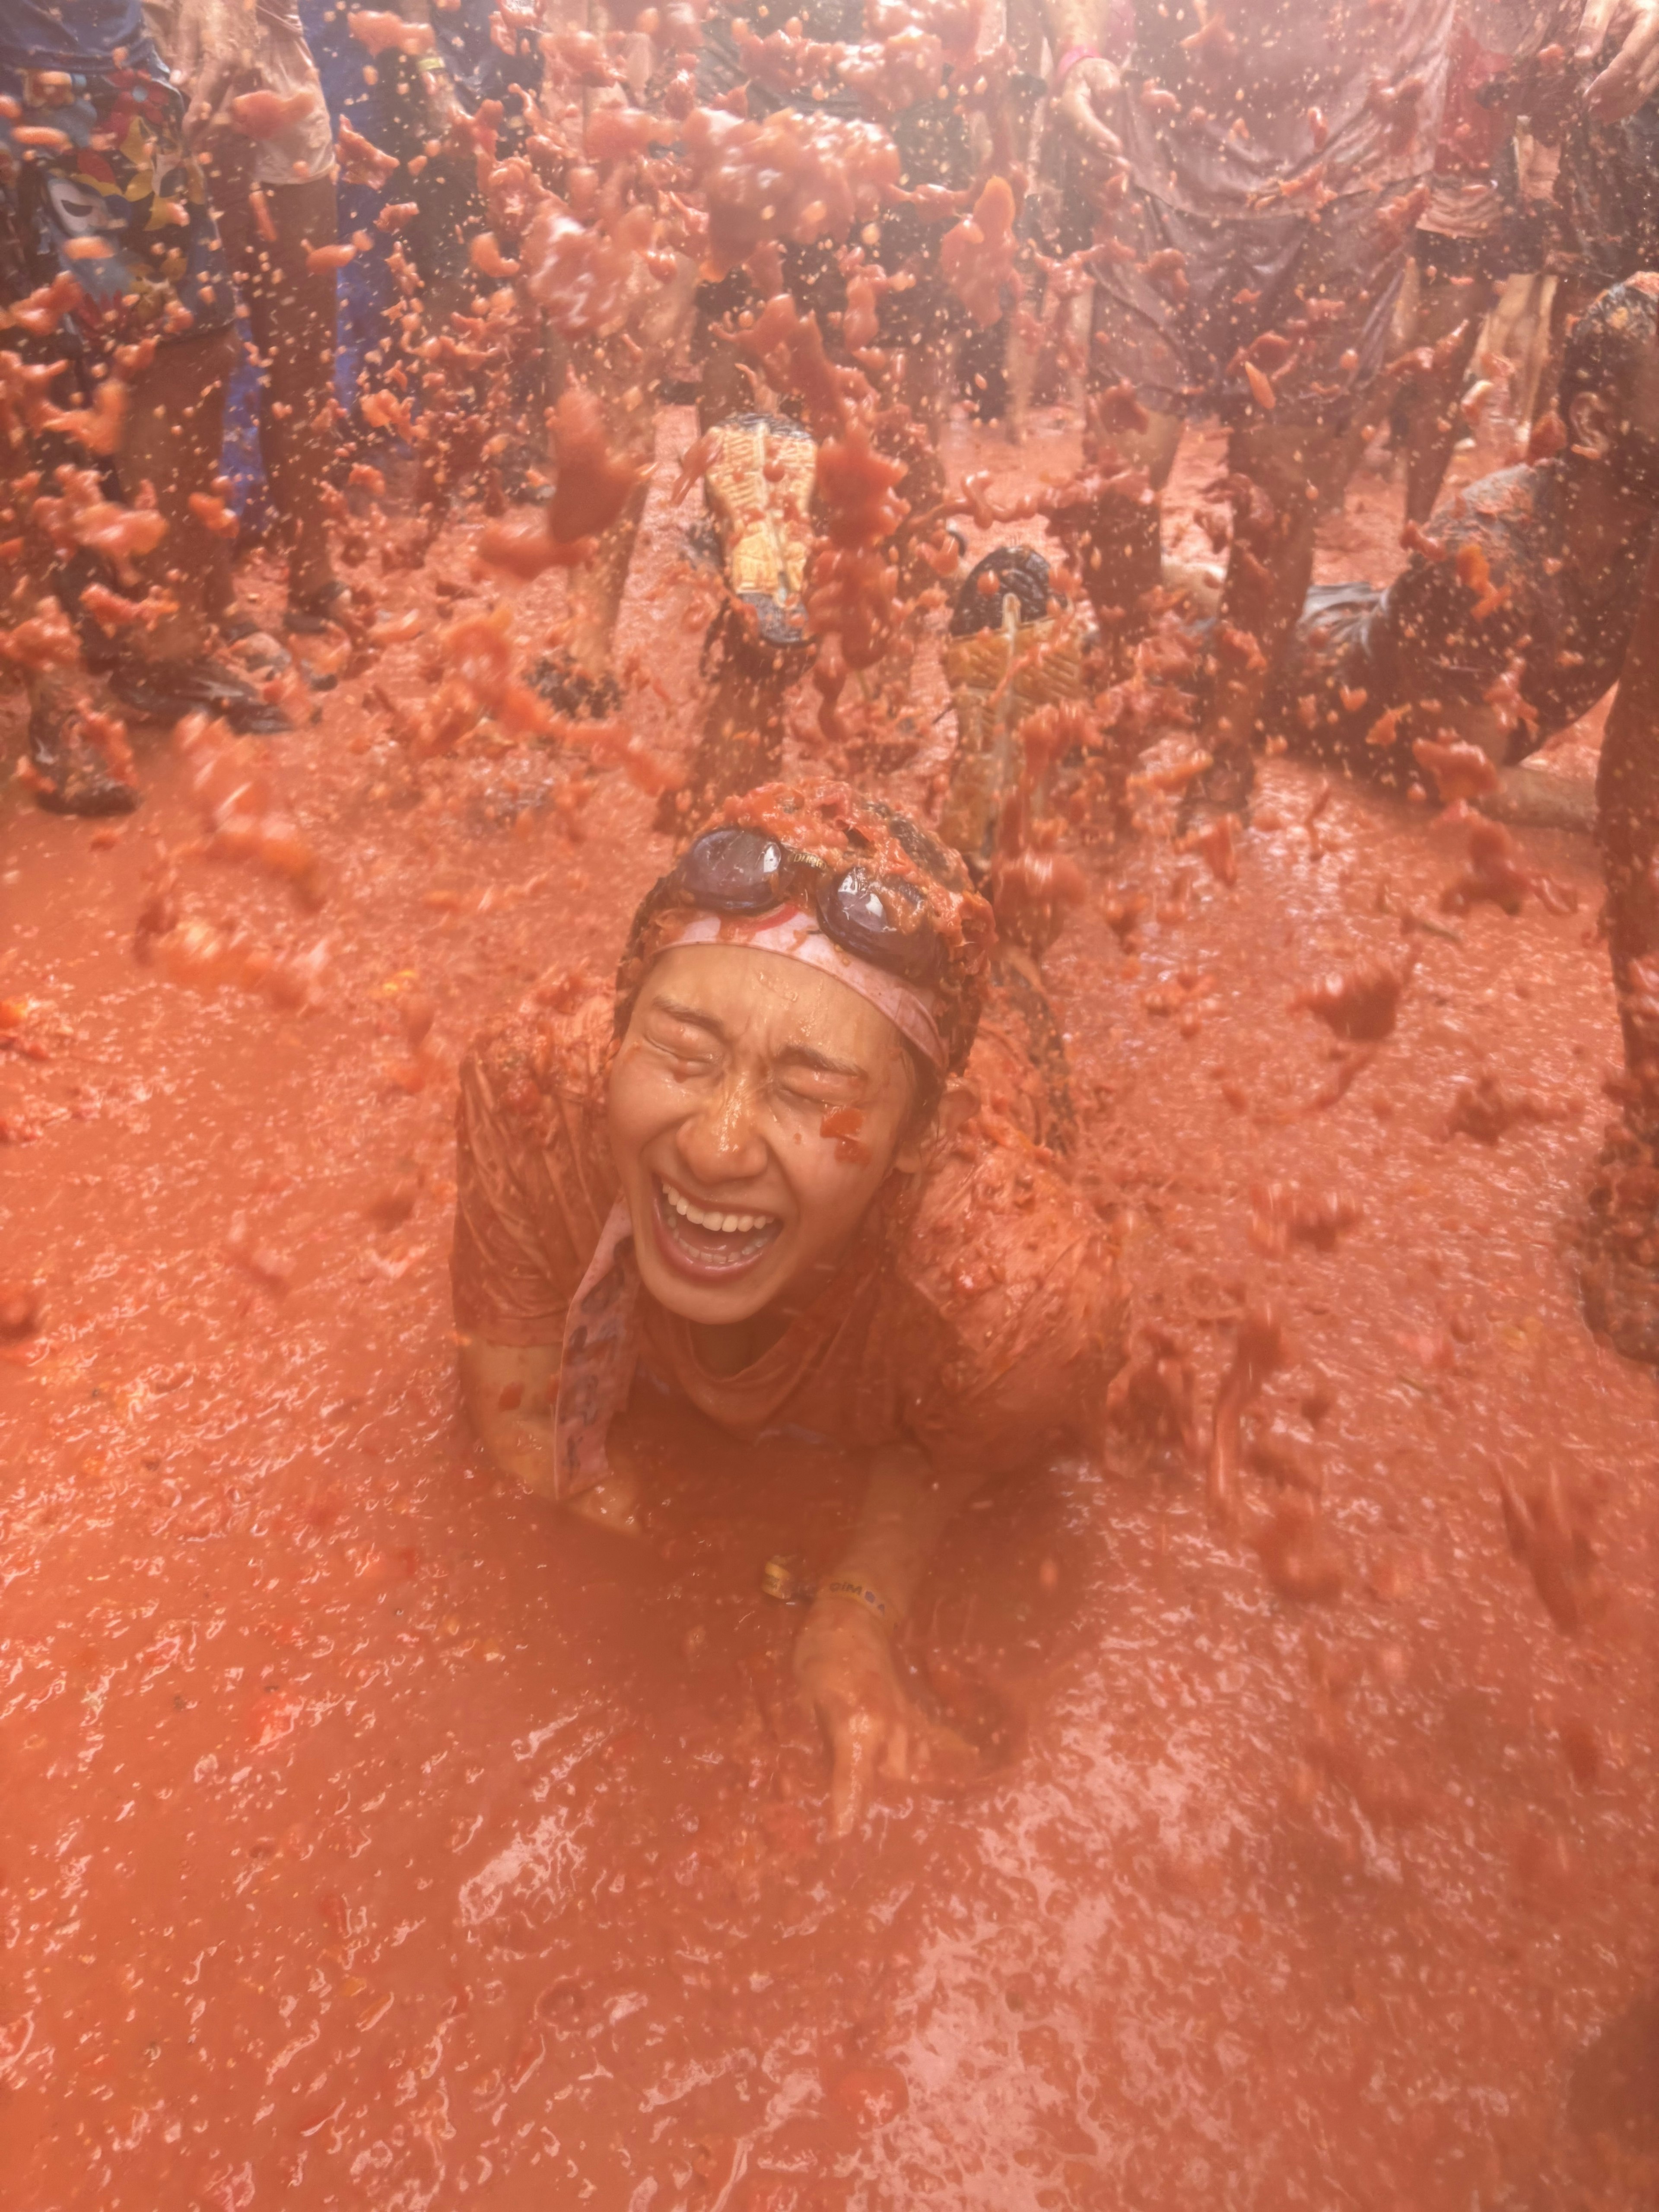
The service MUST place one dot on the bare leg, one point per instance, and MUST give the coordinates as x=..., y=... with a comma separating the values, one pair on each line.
x=1121, y=554
x=1022, y=357
x=1572, y=296
x=625, y=381
x=597, y=587
x=291, y=307
x=1431, y=401
x=1268, y=571
x=741, y=742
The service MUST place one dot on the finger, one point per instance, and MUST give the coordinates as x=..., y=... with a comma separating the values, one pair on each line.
x=854, y=1744
x=896, y=1753
x=1635, y=50
x=1615, y=94
x=1593, y=28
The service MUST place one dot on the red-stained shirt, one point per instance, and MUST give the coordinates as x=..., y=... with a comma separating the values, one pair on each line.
x=976, y=1315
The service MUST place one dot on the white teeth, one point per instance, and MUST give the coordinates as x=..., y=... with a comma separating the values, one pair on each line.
x=727, y=1224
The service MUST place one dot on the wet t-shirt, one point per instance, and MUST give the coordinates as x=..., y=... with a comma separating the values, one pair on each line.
x=977, y=1313
x=81, y=35
x=1274, y=90
x=303, y=149
x=1442, y=636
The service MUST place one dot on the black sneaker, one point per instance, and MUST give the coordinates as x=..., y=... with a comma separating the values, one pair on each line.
x=568, y=691
x=68, y=774
x=166, y=692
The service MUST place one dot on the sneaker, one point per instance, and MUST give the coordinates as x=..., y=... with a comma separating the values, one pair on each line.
x=759, y=488
x=570, y=692
x=167, y=691
x=67, y=771
x=991, y=631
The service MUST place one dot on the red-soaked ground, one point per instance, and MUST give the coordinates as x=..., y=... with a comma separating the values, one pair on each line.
x=370, y=1837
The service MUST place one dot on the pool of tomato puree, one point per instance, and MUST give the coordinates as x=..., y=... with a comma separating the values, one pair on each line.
x=371, y=1836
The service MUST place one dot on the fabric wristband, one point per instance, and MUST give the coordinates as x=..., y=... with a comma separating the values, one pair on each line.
x=796, y=936
x=1068, y=62
x=860, y=1592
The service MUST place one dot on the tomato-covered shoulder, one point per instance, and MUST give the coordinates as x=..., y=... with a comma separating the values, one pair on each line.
x=1009, y=1290
x=534, y=1175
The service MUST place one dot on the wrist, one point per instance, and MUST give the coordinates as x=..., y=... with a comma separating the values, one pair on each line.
x=858, y=1590
x=1068, y=62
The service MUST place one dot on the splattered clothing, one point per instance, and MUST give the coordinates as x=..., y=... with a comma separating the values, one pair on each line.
x=1446, y=630
x=1273, y=152
x=111, y=199
x=303, y=150
x=977, y=1313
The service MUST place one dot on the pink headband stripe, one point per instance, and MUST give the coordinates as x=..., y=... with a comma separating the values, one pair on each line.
x=798, y=936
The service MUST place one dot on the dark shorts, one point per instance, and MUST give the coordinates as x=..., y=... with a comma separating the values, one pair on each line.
x=1246, y=275
x=113, y=199
x=1479, y=261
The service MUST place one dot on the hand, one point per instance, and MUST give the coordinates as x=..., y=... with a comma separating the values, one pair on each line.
x=844, y=1666
x=613, y=1504
x=1089, y=85
x=1633, y=72
x=207, y=92
x=213, y=55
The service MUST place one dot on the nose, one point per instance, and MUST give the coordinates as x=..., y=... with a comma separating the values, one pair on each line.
x=722, y=1143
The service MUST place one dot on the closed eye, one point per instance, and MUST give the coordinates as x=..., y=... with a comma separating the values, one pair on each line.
x=812, y=1091
x=689, y=1048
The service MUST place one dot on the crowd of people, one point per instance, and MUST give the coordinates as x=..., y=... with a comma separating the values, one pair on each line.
x=824, y=229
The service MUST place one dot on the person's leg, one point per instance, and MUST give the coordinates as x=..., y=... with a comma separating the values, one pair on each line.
x=740, y=743
x=1120, y=550
x=172, y=437
x=1621, y=1258
x=597, y=587
x=172, y=440
x=758, y=490
x=1298, y=373
x=291, y=311
x=1005, y=657
x=625, y=373
x=1144, y=367
x=1453, y=299
x=77, y=759
x=1573, y=294
x=1269, y=568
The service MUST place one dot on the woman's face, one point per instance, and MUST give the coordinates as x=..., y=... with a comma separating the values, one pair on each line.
x=756, y=1108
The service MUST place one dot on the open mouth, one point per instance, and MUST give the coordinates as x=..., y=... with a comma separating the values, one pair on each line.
x=702, y=1239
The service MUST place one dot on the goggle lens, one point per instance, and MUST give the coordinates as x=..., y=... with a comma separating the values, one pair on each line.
x=733, y=872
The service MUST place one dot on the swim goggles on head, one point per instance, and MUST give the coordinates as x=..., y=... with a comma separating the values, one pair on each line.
x=875, y=919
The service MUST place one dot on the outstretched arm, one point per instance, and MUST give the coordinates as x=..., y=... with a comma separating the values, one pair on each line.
x=512, y=1392
x=1623, y=35
x=844, y=1659
x=1090, y=82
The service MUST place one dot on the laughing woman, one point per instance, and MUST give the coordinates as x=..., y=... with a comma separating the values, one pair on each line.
x=787, y=1170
